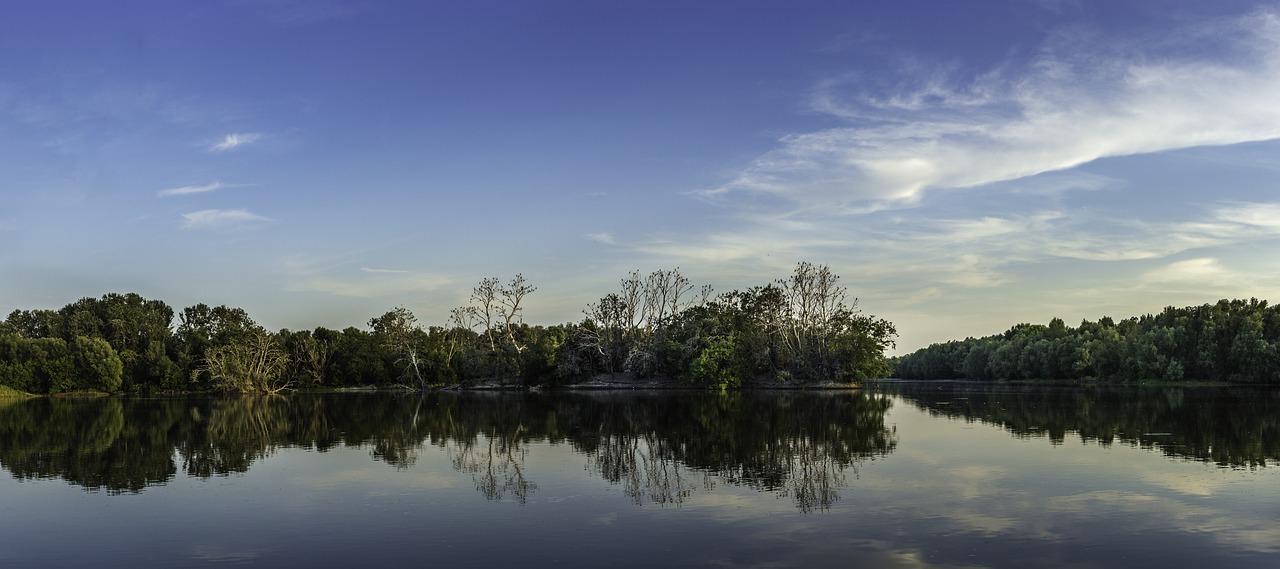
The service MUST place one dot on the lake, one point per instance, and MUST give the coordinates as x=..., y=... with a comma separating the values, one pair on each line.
x=899, y=474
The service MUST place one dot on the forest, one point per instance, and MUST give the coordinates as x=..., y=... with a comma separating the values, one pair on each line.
x=1232, y=341
x=794, y=331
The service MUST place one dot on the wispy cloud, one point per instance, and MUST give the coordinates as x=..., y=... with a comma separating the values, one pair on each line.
x=1190, y=270
x=184, y=190
x=335, y=275
x=233, y=141
x=220, y=218
x=914, y=259
x=1194, y=277
x=1128, y=239
x=1064, y=108
x=388, y=284
x=1262, y=216
x=606, y=238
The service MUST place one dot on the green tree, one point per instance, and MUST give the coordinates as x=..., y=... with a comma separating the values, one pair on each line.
x=359, y=359
x=35, y=323
x=717, y=364
x=97, y=365
x=137, y=329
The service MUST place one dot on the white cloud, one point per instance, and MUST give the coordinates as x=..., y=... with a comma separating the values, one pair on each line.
x=953, y=230
x=184, y=190
x=1127, y=239
x=729, y=248
x=233, y=141
x=219, y=218
x=1056, y=184
x=1068, y=107
x=382, y=271
x=606, y=238
x=1264, y=216
x=1191, y=270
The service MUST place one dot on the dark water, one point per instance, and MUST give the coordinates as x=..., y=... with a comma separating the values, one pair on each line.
x=898, y=475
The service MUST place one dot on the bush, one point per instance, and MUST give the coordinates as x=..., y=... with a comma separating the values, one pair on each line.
x=716, y=365
x=97, y=365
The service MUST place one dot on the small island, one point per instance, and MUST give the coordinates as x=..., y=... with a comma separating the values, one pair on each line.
x=656, y=331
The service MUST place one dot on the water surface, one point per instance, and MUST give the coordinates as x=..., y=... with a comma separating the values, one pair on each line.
x=899, y=475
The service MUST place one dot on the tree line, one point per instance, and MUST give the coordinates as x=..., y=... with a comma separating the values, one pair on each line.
x=1232, y=341
x=798, y=330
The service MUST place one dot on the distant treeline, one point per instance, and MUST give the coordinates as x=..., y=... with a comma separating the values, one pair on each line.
x=795, y=331
x=1233, y=340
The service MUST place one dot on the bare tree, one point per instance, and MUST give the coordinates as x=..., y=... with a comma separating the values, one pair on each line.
x=484, y=304
x=255, y=365
x=632, y=306
x=607, y=335
x=497, y=308
x=460, y=319
x=665, y=296
x=509, y=306
x=624, y=322
x=705, y=294
x=398, y=328
x=314, y=355
x=814, y=299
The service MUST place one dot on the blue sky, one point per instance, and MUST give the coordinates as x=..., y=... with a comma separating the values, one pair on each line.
x=963, y=165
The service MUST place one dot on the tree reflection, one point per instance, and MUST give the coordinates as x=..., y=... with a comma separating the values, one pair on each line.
x=1228, y=426
x=645, y=467
x=235, y=433
x=659, y=447
x=86, y=442
x=496, y=464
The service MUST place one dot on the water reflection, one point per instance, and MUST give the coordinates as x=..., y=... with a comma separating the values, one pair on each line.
x=1228, y=426
x=95, y=444
x=659, y=447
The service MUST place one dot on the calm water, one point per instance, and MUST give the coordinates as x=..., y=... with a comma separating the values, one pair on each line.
x=898, y=475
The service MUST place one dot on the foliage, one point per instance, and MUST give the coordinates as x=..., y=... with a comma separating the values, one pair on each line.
x=1232, y=340
x=717, y=364
x=52, y=365
x=97, y=363
x=798, y=330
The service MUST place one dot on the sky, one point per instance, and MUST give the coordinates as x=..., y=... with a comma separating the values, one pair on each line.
x=962, y=165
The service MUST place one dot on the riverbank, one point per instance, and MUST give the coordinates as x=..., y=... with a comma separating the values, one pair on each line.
x=9, y=392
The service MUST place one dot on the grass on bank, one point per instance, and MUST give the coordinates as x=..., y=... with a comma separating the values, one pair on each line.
x=6, y=391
